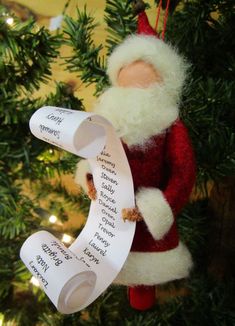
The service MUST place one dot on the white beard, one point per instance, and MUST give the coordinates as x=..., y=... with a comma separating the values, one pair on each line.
x=138, y=114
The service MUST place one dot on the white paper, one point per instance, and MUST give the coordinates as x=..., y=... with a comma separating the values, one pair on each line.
x=74, y=277
x=56, y=22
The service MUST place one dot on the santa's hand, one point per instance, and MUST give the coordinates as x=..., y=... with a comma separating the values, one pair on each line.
x=92, y=193
x=131, y=214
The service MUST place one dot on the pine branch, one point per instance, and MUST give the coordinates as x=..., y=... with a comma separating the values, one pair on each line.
x=16, y=215
x=193, y=225
x=23, y=154
x=80, y=201
x=26, y=54
x=86, y=59
x=64, y=97
x=120, y=21
x=207, y=110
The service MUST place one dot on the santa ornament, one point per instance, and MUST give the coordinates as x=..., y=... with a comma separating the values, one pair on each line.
x=147, y=77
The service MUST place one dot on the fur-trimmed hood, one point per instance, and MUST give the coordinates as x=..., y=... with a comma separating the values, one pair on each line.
x=162, y=56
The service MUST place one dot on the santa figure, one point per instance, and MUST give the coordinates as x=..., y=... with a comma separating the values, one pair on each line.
x=147, y=77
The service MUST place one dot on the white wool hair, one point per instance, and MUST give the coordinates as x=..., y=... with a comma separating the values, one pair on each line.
x=162, y=56
x=152, y=268
x=137, y=114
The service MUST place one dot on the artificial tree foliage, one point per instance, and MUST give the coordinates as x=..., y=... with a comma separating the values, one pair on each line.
x=203, y=33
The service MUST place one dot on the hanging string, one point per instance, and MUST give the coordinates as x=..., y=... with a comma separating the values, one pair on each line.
x=158, y=14
x=165, y=19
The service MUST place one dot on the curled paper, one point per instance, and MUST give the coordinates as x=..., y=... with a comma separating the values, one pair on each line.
x=74, y=277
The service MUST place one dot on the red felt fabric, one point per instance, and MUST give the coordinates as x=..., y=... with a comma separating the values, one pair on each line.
x=143, y=26
x=167, y=163
x=141, y=297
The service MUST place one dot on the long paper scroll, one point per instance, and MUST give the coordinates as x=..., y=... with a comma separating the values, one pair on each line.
x=74, y=277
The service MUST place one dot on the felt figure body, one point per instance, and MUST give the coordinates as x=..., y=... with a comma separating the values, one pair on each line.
x=147, y=77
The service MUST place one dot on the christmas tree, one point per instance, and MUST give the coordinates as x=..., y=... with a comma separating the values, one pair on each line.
x=202, y=31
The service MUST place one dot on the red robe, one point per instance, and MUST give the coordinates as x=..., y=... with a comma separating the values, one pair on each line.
x=168, y=164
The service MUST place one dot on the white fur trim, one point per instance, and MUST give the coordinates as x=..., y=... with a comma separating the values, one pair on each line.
x=150, y=268
x=162, y=56
x=155, y=210
x=82, y=170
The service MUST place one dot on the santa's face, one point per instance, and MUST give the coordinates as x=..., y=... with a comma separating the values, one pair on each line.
x=140, y=106
x=138, y=74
